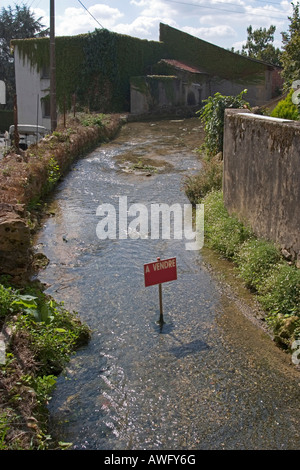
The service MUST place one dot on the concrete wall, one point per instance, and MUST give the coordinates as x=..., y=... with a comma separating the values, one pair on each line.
x=261, y=181
x=154, y=94
x=258, y=93
x=31, y=88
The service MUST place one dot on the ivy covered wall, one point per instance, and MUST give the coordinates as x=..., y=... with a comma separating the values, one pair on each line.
x=96, y=66
x=6, y=119
x=210, y=58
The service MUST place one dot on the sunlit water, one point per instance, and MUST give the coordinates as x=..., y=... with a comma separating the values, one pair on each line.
x=209, y=379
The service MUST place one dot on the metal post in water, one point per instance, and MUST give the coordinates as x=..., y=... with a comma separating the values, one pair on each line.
x=161, y=315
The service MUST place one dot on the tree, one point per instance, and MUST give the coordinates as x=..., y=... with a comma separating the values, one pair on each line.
x=17, y=23
x=291, y=48
x=260, y=46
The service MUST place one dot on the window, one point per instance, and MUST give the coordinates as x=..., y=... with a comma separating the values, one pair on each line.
x=45, y=102
x=45, y=73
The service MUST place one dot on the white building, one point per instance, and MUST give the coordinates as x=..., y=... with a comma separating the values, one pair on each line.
x=32, y=88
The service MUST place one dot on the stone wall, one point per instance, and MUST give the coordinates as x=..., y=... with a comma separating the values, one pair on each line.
x=158, y=94
x=261, y=182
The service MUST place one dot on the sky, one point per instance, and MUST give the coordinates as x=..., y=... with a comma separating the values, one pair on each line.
x=220, y=22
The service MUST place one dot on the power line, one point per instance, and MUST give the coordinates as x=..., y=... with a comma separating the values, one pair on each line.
x=90, y=14
x=30, y=6
x=222, y=9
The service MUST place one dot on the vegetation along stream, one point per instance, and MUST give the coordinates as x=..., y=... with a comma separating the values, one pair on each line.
x=209, y=378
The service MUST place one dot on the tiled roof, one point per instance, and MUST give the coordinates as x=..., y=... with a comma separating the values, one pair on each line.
x=181, y=66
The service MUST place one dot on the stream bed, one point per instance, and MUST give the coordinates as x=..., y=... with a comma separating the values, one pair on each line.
x=209, y=378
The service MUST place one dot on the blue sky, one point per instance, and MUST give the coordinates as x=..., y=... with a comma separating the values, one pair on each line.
x=221, y=22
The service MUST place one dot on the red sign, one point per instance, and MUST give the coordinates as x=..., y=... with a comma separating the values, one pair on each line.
x=160, y=271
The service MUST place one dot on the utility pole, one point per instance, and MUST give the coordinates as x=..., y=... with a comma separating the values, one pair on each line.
x=53, y=113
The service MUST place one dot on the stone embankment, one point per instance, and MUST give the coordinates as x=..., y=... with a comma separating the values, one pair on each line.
x=27, y=177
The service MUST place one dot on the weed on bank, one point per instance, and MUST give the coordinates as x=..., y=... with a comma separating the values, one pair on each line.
x=260, y=265
x=40, y=338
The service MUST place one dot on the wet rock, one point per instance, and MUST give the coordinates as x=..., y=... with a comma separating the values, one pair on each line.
x=40, y=261
x=15, y=253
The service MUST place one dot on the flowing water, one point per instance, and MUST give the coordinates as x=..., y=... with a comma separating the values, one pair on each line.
x=209, y=378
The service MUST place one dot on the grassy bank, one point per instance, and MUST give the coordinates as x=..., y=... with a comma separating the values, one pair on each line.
x=259, y=263
x=27, y=177
x=40, y=335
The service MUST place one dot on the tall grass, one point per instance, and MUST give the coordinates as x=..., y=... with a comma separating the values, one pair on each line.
x=259, y=262
x=260, y=265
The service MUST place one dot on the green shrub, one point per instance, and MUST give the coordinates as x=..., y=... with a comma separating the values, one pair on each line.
x=212, y=115
x=286, y=109
x=255, y=259
x=54, y=334
x=6, y=299
x=222, y=232
x=92, y=120
x=280, y=293
x=209, y=178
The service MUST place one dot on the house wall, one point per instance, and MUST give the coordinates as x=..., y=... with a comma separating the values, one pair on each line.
x=258, y=93
x=262, y=175
x=156, y=94
x=30, y=90
x=230, y=72
x=97, y=67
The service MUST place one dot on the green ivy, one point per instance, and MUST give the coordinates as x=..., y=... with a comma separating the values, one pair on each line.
x=213, y=59
x=212, y=115
x=96, y=67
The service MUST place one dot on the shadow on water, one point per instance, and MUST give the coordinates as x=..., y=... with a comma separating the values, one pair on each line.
x=183, y=349
x=189, y=348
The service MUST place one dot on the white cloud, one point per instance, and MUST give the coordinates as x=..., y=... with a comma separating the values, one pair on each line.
x=143, y=26
x=206, y=19
x=146, y=24
x=106, y=13
x=238, y=45
x=157, y=8
x=139, y=3
x=42, y=15
x=211, y=33
x=77, y=20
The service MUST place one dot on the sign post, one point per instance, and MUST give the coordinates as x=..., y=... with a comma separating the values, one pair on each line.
x=161, y=315
x=158, y=272
x=2, y=92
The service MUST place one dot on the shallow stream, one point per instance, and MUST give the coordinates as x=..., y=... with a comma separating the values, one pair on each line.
x=209, y=378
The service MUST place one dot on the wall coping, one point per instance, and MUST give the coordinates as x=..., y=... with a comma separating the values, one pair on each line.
x=247, y=114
